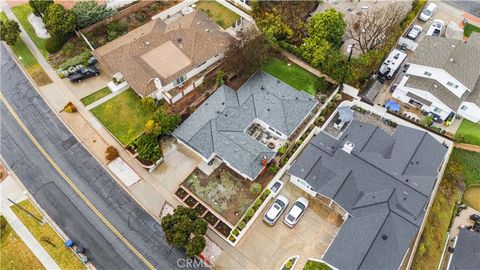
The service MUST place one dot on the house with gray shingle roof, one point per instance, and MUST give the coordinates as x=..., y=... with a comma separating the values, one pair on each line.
x=443, y=78
x=381, y=183
x=245, y=128
x=466, y=251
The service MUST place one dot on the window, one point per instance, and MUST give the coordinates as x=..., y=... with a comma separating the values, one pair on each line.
x=437, y=110
x=463, y=108
x=452, y=84
x=180, y=80
x=426, y=73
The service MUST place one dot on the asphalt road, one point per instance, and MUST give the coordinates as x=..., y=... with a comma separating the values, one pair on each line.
x=470, y=6
x=58, y=199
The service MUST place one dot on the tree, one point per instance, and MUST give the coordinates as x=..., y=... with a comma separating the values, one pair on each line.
x=256, y=188
x=165, y=122
x=328, y=25
x=247, y=57
x=148, y=148
x=185, y=229
x=9, y=31
x=39, y=6
x=58, y=20
x=372, y=29
x=149, y=103
x=90, y=12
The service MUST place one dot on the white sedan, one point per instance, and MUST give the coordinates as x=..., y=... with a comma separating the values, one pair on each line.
x=296, y=212
x=276, y=210
x=436, y=28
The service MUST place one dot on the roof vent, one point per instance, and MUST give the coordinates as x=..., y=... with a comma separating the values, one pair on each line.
x=384, y=236
x=451, y=60
x=348, y=147
x=268, y=109
x=278, y=81
x=147, y=43
x=406, y=180
x=223, y=103
x=206, y=30
x=179, y=39
x=434, y=85
x=263, y=88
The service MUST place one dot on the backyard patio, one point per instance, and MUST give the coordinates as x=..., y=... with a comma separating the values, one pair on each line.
x=224, y=191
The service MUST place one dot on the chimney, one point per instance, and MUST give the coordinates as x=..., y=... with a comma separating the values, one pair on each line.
x=348, y=147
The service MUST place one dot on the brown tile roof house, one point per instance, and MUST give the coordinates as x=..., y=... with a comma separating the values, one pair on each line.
x=164, y=51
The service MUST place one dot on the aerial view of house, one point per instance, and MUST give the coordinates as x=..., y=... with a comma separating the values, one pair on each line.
x=380, y=182
x=240, y=134
x=163, y=60
x=443, y=78
x=246, y=127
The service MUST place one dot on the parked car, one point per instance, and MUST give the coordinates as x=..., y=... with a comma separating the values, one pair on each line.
x=428, y=12
x=84, y=73
x=276, y=210
x=436, y=28
x=414, y=32
x=296, y=212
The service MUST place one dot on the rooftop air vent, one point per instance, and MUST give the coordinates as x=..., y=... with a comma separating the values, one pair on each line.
x=147, y=43
x=348, y=147
x=179, y=39
x=384, y=236
x=206, y=30
x=263, y=88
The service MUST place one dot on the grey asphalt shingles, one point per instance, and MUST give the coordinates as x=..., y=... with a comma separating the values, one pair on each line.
x=136, y=225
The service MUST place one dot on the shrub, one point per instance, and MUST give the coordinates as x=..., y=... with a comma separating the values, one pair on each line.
x=155, y=7
x=299, y=142
x=58, y=20
x=288, y=264
x=55, y=43
x=338, y=97
x=219, y=78
x=140, y=16
x=282, y=150
x=255, y=188
x=3, y=225
x=273, y=169
x=241, y=225
x=90, y=12
x=149, y=103
x=232, y=238
x=235, y=232
x=9, y=31
x=265, y=194
x=68, y=49
x=70, y=108
x=148, y=148
x=111, y=153
x=116, y=29
x=258, y=202
x=250, y=213
x=77, y=60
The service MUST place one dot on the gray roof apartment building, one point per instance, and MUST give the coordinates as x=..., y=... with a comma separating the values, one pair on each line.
x=382, y=181
x=219, y=127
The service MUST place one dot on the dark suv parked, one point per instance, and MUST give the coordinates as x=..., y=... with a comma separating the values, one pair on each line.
x=84, y=73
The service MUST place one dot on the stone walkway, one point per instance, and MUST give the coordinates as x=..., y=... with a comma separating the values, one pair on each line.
x=11, y=190
x=306, y=66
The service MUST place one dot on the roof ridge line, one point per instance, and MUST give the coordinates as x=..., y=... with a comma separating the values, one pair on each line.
x=371, y=244
x=414, y=152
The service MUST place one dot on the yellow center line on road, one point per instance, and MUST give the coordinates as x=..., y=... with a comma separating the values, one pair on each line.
x=73, y=186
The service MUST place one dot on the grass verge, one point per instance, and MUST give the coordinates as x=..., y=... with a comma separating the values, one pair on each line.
x=462, y=170
x=96, y=96
x=22, y=12
x=124, y=116
x=48, y=238
x=15, y=254
x=468, y=132
x=468, y=29
x=313, y=265
x=218, y=13
x=295, y=76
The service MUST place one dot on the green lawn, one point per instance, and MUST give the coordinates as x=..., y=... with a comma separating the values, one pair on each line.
x=96, y=96
x=313, y=265
x=15, y=255
x=22, y=12
x=124, y=116
x=468, y=29
x=462, y=169
x=48, y=237
x=468, y=132
x=218, y=13
x=295, y=76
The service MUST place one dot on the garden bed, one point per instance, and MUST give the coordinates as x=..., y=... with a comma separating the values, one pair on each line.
x=181, y=193
x=125, y=22
x=210, y=218
x=223, y=228
x=224, y=191
x=218, y=13
x=96, y=96
x=191, y=201
x=200, y=209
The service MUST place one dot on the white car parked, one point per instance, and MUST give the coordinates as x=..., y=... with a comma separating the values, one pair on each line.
x=276, y=210
x=428, y=12
x=436, y=28
x=414, y=33
x=296, y=212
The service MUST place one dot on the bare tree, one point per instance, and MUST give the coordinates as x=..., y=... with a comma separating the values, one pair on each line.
x=374, y=27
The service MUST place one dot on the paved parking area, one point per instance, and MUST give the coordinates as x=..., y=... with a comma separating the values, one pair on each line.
x=269, y=246
x=88, y=86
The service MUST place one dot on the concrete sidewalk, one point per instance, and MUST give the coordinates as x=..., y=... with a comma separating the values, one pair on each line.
x=10, y=189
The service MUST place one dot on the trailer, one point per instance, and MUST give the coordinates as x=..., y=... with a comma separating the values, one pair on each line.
x=391, y=65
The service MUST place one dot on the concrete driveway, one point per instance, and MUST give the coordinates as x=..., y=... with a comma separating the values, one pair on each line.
x=269, y=246
x=88, y=86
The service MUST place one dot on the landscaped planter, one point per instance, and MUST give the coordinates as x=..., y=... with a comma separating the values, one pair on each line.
x=181, y=193
x=200, y=209
x=210, y=218
x=191, y=201
x=290, y=263
x=223, y=229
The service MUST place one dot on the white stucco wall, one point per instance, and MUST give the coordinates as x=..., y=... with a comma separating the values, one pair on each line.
x=469, y=111
x=302, y=185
